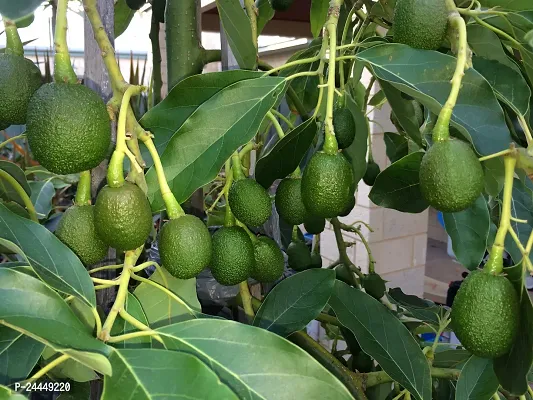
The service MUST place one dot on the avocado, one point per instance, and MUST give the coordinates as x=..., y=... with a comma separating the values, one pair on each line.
x=316, y=261
x=158, y=10
x=123, y=216
x=68, y=128
x=314, y=225
x=281, y=5
x=349, y=208
x=299, y=256
x=485, y=314
x=419, y=112
x=249, y=202
x=327, y=184
x=135, y=4
x=372, y=172
x=289, y=201
x=77, y=230
x=185, y=246
x=233, y=256
x=342, y=274
x=420, y=24
x=451, y=176
x=269, y=260
x=362, y=362
x=19, y=79
x=344, y=126
x=374, y=285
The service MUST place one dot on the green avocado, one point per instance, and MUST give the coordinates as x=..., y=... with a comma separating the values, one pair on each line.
x=68, y=128
x=19, y=79
x=299, y=256
x=451, y=176
x=249, y=202
x=281, y=5
x=374, y=285
x=135, y=4
x=77, y=230
x=314, y=225
x=349, y=208
x=289, y=203
x=485, y=314
x=316, y=261
x=123, y=216
x=233, y=256
x=420, y=23
x=269, y=261
x=327, y=184
x=342, y=274
x=372, y=172
x=344, y=126
x=185, y=246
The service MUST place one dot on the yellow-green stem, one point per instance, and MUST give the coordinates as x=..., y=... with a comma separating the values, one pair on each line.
x=83, y=192
x=527, y=132
x=105, y=267
x=277, y=126
x=498, y=154
x=283, y=118
x=251, y=10
x=246, y=300
x=320, y=95
x=293, y=63
x=229, y=219
x=97, y=321
x=22, y=193
x=132, y=335
x=48, y=367
x=237, y=167
x=13, y=42
x=515, y=43
x=130, y=319
x=106, y=281
x=63, y=71
x=12, y=139
x=246, y=150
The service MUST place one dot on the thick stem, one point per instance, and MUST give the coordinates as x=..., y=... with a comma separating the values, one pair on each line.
x=48, y=367
x=83, y=192
x=246, y=300
x=276, y=124
x=251, y=10
x=328, y=319
x=156, y=57
x=13, y=42
x=63, y=71
x=377, y=378
x=22, y=193
x=343, y=256
x=236, y=167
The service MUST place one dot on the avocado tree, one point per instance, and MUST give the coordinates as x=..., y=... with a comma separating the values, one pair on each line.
x=457, y=76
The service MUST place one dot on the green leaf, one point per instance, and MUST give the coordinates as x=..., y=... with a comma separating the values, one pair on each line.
x=396, y=146
x=286, y=154
x=319, y=14
x=383, y=337
x=295, y=301
x=265, y=13
x=25, y=21
x=418, y=308
x=356, y=152
x=161, y=309
x=425, y=75
x=18, y=355
x=255, y=363
x=38, y=172
x=219, y=126
x=18, y=9
x=238, y=32
x=521, y=208
x=84, y=313
x=468, y=230
x=398, y=185
x=508, y=4
x=78, y=391
x=378, y=99
x=508, y=84
x=8, y=394
x=31, y=307
x=6, y=190
x=42, y=193
x=133, y=306
x=123, y=17
x=477, y=380
x=69, y=369
x=153, y=373
x=450, y=358
x=54, y=262
x=494, y=175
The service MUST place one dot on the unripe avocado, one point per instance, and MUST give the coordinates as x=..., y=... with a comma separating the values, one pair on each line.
x=374, y=285
x=327, y=185
x=372, y=172
x=135, y=4
x=233, y=256
x=485, y=314
x=316, y=261
x=314, y=225
x=68, y=128
x=281, y=5
x=123, y=216
x=185, y=246
x=342, y=274
x=269, y=260
x=249, y=202
x=299, y=256
x=451, y=176
x=19, y=79
x=349, y=208
x=289, y=201
x=420, y=23
x=344, y=126
x=77, y=230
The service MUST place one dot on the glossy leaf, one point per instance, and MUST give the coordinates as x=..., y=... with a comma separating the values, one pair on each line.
x=255, y=363
x=18, y=355
x=319, y=14
x=295, y=301
x=69, y=369
x=286, y=154
x=18, y=9
x=54, y=262
x=485, y=43
x=161, y=309
x=265, y=13
x=133, y=306
x=123, y=17
x=84, y=313
x=396, y=146
x=229, y=119
x=165, y=119
x=238, y=32
x=450, y=358
x=398, y=185
x=477, y=380
x=6, y=190
x=494, y=175
x=421, y=309
x=468, y=230
x=42, y=193
x=153, y=373
x=356, y=152
x=383, y=337
x=425, y=75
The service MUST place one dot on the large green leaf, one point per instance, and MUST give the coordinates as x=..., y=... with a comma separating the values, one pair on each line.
x=494, y=175
x=159, y=308
x=265, y=12
x=255, y=363
x=69, y=369
x=123, y=17
x=133, y=306
x=6, y=190
x=485, y=43
x=238, y=32
x=425, y=75
x=468, y=230
x=18, y=355
x=219, y=126
x=161, y=374
x=382, y=336
x=54, y=262
x=396, y=145
x=286, y=154
x=18, y=9
x=33, y=308
x=296, y=301
x=356, y=152
x=477, y=380
x=167, y=117
x=42, y=193
x=450, y=358
x=398, y=186
x=319, y=13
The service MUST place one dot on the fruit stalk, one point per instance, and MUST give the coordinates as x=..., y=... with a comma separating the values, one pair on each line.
x=22, y=193
x=83, y=192
x=277, y=126
x=63, y=71
x=13, y=42
x=246, y=297
x=343, y=256
x=441, y=131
